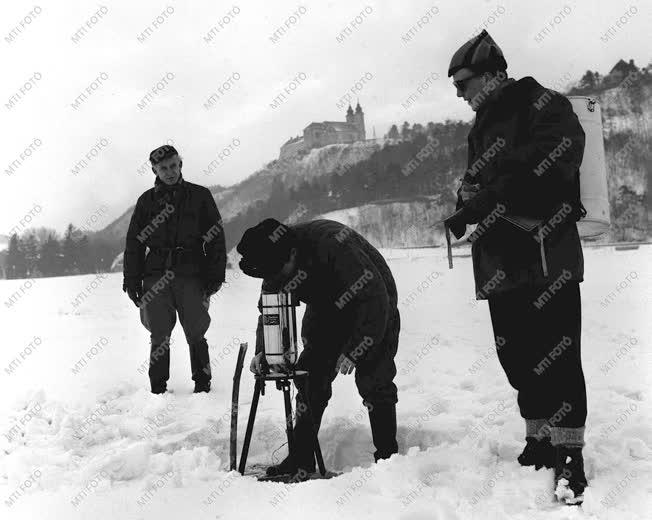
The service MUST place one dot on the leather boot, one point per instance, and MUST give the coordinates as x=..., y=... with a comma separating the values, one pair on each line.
x=159, y=366
x=537, y=453
x=570, y=479
x=383, y=429
x=200, y=364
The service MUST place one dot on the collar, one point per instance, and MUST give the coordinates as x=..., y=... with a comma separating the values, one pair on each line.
x=161, y=187
x=495, y=96
x=500, y=89
x=514, y=91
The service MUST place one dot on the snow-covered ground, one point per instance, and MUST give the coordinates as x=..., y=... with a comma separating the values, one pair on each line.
x=82, y=437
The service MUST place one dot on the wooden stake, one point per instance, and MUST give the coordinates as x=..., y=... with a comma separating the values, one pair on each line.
x=233, y=448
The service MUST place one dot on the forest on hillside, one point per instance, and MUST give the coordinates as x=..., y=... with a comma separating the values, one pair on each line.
x=384, y=176
x=416, y=160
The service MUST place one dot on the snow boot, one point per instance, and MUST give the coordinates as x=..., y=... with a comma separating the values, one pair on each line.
x=303, y=453
x=382, y=418
x=290, y=467
x=570, y=480
x=202, y=387
x=537, y=453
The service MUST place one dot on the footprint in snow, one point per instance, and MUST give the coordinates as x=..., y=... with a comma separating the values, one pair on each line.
x=467, y=385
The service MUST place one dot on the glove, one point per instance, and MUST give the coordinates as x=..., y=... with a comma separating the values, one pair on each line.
x=468, y=190
x=257, y=365
x=210, y=288
x=134, y=290
x=344, y=365
x=457, y=223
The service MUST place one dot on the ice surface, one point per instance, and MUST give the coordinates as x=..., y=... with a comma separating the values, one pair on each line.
x=100, y=436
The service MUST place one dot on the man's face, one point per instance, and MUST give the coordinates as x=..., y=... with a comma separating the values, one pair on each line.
x=277, y=281
x=168, y=170
x=470, y=87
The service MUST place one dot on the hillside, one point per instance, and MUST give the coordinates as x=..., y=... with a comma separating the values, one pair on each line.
x=290, y=172
x=627, y=123
x=370, y=186
x=396, y=223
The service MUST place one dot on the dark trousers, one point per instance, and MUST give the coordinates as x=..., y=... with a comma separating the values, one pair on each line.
x=539, y=348
x=374, y=377
x=158, y=313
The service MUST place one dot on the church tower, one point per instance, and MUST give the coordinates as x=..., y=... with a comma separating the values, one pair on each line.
x=358, y=120
x=349, y=114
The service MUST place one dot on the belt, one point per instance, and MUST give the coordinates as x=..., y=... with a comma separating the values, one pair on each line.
x=173, y=250
x=157, y=249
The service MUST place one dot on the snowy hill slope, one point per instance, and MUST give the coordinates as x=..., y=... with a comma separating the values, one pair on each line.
x=416, y=223
x=257, y=186
x=87, y=439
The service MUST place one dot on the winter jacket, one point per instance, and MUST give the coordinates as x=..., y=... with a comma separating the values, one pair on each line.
x=348, y=288
x=524, y=151
x=182, y=228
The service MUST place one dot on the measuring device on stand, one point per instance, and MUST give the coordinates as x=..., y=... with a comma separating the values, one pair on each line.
x=280, y=343
x=280, y=331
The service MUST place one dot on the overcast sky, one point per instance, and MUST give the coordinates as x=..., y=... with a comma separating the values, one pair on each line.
x=44, y=73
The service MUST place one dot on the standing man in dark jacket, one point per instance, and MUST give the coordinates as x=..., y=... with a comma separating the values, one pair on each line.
x=351, y=321
x=521, y=188
x=179, y=223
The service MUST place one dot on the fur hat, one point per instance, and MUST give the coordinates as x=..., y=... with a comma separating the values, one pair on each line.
x=480, y=54
x=265, y=248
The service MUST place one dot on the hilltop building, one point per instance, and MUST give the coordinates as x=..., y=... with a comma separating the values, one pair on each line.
x=316, y=135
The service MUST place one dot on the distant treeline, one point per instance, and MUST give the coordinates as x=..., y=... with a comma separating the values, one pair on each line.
x=593, y=83
x=37, y=253
x=416, y=160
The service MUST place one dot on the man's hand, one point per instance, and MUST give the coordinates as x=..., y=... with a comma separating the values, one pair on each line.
x=210, y=288
x=257, y=363
x=456, y=223
x=135, y=291
x=468, y=190
x=344, y=365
